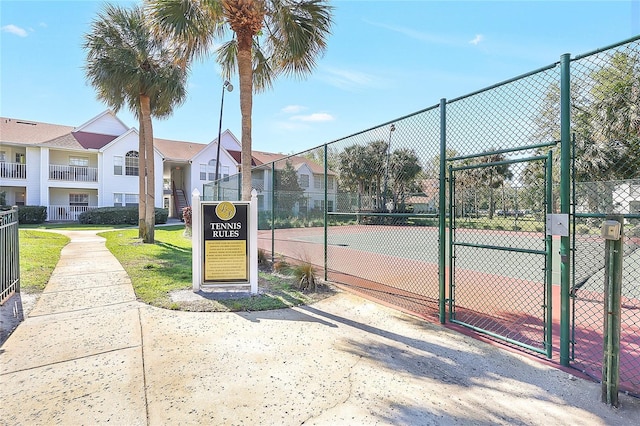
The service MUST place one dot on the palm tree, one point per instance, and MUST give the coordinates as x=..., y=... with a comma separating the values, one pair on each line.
x=129, y=64
x=270, y=37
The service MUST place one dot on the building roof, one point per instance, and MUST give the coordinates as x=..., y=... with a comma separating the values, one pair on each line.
x=296, y=161
x=54, y=135
x=30, y=132
x=178, y=150
x=93, y=140
x=237, y=156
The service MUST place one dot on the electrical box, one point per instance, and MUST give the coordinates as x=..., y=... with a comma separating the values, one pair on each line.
x=611, y=230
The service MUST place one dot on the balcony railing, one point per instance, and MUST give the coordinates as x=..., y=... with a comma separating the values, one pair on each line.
x=73, y=173
x=13, y=170
x=58, y=213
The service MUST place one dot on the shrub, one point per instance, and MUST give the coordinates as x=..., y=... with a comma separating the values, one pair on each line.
x=186, y=216
x=281, y=266
x=32, y=214
x=262, y=257
x=306, y=275
x=119, y=216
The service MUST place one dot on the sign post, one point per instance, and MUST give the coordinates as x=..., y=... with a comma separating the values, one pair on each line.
x=225, y=243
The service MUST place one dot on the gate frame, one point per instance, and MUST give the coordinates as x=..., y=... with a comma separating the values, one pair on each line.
x=547, y=252
x=9, y=241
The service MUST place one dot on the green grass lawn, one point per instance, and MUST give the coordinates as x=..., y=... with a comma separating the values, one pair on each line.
x=158, y=269
x=70, y=226
x=154, y=269
x=39, y=254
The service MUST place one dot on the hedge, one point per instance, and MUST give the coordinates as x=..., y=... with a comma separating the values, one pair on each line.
x=32, y=214
x=119, y=216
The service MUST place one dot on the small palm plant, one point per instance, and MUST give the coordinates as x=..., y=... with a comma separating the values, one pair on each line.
x=306, y=275
x=281, y=266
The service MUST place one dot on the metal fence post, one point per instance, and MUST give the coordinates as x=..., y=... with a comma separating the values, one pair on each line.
x=565, y=204
x=442, y=222
x=326, y=207
x=549, y=257
x=612, y=317
x=273, y=212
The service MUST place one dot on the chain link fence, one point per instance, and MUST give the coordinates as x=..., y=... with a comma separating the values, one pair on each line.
x=605, y=109
x=368, y=210
x=497, y=155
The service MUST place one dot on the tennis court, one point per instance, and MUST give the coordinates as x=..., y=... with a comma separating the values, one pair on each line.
x=498, y=291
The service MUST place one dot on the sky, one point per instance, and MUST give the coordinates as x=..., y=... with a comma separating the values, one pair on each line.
x=385, y=60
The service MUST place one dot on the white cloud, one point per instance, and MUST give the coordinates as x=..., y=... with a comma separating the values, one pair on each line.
x=316, y=117
x=293, y=109
x=14, y=29
x=43, y=24
x=478, y=38
x=418, y=35
x=349, y=79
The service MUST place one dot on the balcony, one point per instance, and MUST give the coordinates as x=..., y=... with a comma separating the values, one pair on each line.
x=73, y=173
x=13, y=170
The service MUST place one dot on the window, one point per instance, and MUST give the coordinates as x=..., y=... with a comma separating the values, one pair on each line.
x=117, y=165
x=211, y=169
x=131, y=199
x=120, y=199
x=318, y=182
x=225, y=173
x=303, y=181
x=208, y=171
x=3, y=156
x=329, y=182
x=131, y=163
x=318, y=204
x=330, y=205
x=79, y=161
x=78, y=199
x=20, y=158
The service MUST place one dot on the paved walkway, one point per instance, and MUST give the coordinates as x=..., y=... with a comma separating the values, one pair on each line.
x=89, y=353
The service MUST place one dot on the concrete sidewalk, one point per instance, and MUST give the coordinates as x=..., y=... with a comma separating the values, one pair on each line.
x=89, y=353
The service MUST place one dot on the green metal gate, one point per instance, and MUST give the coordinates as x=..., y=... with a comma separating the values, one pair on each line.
x=500, y=280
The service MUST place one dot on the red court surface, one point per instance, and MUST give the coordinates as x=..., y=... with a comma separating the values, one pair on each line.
x=506, y=306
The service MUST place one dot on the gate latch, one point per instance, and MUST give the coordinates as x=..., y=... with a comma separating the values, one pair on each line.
x=558, y=224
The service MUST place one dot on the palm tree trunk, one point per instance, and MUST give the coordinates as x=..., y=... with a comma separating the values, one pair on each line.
x=142, y=184
x=150, y=196
x=245, y=72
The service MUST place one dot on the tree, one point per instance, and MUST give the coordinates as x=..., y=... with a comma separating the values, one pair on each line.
x=616, y=110
x=129, y=64
x=287, y=188
x=270, y=37
x=362, y=170
x=606, y=124
x=404, y=168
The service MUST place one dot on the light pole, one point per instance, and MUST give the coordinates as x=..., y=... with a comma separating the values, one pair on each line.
x=386, y=168
x=228, y=86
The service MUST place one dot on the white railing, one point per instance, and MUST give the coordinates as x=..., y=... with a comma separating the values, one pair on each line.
x=13, y=170
x=57, y=213
x=73, y=173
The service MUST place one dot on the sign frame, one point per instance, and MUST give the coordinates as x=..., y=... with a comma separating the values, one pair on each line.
x=224, y=243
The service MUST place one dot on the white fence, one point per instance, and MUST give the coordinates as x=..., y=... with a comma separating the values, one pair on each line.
x=13, y=170
x=57, y=213
x=73, y=173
